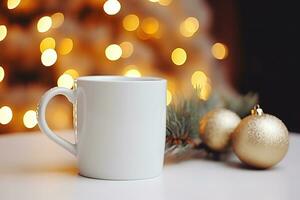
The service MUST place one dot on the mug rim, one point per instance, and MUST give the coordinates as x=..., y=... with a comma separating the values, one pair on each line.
x=112, y=78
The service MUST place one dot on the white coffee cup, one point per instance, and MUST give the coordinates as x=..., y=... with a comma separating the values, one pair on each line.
x=120, y=125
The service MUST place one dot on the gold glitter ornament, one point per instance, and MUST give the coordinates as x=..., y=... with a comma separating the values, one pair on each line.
x=260, y=140
x=216, y=128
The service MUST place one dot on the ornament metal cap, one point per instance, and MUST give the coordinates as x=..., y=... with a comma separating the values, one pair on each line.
x=257, y=110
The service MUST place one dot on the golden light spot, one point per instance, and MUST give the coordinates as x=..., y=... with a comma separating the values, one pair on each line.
x=3, y=32
x=179, y=56
x=72, y=72
x=29, y=119
x=189, y=27
x=112, y=7
x=127, y=49
x=165, y=2
x=113, y=52
x=57, y=19
x=150, y=25
x=219, y=51
x=2, y=73
x=12, y=4
x=131, y=22
x=5, y=115
x=65, y=46
x=133, y=73
x=49, y=57
x=44, y=24
x=153, y=1
x=205, y=92
x=66, y=81
x=199, y=79
x=169, y=97
x=47, y=43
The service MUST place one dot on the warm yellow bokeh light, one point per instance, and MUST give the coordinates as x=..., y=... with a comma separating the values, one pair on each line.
x=205, y=92
x=127, y=49
x=72, y=72
x=57, y=19
x=5, y=115
x=66, y=81
x=3, y=32
x=113, y=52
x=169, y=97
x=165, y=2
x=189, y=26
x=150, y=25
x=2, y=73
x=47, y=43
x=111, y=7
x=133, y=73
x=44, y=24
x=66, y=46
x=29, y=119
x=49, y=57
x=179, y=56
x=199, y=79
x=153, y=1
x=219, y=51
x=12, y=4
x=131, y=22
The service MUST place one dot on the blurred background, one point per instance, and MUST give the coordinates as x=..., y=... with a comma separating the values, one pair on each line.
x=233, y=47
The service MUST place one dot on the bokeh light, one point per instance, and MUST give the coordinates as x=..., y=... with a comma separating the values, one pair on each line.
x=198, y=79
x=72, y=72
x=153, y=1
x=133, y=73
x=165, y=2
x=29, y=119
x=57, y=19
x=131, y=22
x=6, y=115
x=189, y=27
x=66, y=81
x=169, y=97
x=127, y=49
x=219, y=51
x=111, y=7
x=150, y=25
x=205, y=92
x=66, y=46
x=179, y=56
x=3, y=32
x=47, y=43
x=44, y=24
x=12, y=4
x=113, y=52
x=2, y=73
x=49, y=57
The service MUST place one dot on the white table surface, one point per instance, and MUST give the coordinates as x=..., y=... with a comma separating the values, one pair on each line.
x=33, y=167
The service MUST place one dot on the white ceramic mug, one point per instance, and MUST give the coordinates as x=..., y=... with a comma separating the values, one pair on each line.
x=120, y=125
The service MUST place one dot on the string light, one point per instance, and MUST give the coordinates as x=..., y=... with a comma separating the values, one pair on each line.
x=112, y=7
x=65, y=46
x=2, y=73
x=66, y=81
x=113, y=52
x=169, y=97
x=131, y=22
x=57, y=19
x=150, y=25
x=199, y=79
x=49, y=57
x=3, y=32
x=44, y=24
x=12, y=4
x=127, y=49
x=47, y=43
x=219, y=51
x=133, y=73
x=29, y=119
x=5, y=115
x=179, y=56
x=165, y=2
x=72, y=72
x=189, y=27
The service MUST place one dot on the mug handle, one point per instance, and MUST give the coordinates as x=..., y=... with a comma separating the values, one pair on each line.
x=41, y=116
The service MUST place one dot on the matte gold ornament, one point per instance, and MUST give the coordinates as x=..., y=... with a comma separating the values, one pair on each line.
x=216, y=128
x=261, y=140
